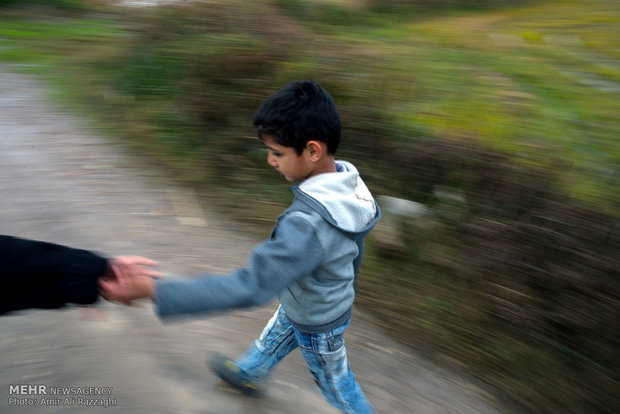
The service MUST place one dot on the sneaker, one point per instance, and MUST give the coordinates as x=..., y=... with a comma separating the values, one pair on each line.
x=229, y=371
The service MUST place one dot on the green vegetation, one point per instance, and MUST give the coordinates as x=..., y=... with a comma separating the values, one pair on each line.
x=71, y=5
x=502, y=119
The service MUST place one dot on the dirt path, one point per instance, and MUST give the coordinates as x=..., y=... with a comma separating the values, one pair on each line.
x=63, y=183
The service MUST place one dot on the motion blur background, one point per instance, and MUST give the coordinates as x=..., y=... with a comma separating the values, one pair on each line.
x=488, y=129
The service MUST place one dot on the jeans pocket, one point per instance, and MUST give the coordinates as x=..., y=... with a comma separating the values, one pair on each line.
x=335, y=342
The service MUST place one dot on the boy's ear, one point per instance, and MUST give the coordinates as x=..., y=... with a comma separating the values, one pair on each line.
x=315, y=150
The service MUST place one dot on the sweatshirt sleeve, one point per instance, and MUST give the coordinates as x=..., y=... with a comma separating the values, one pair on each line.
x=292, y=253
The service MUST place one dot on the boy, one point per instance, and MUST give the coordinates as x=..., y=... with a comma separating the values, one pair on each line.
x=310, y=260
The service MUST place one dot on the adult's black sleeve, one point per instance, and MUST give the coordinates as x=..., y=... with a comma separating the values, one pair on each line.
x=37, y=274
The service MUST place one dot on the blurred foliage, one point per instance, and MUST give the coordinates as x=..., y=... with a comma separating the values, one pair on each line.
x=508, y=276
x=72, y=5
x=501, y=119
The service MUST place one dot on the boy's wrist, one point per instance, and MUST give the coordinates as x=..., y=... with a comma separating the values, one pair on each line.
x=144, y=289
x=151, y=289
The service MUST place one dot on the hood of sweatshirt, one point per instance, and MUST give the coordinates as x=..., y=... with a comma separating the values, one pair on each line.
x=342, y=198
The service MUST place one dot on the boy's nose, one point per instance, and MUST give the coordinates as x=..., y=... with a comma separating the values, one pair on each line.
x=271, y=160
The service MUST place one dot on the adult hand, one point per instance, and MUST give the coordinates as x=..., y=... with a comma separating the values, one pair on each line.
x=125, y=292
x=128, y=279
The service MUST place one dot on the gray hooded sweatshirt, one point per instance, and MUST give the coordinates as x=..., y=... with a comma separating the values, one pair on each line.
x=310, y=260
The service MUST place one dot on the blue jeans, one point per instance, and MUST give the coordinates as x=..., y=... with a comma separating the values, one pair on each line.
x=324, y=353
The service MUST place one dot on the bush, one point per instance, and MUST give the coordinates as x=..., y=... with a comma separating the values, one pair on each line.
x=60, y=4
x=523, y=284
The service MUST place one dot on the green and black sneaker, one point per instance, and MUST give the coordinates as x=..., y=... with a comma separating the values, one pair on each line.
x=229, y=371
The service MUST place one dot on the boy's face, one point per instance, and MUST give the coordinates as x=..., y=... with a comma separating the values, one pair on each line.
x=286, y=161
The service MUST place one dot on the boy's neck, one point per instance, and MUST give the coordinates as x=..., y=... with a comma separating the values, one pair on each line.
x=326, y=165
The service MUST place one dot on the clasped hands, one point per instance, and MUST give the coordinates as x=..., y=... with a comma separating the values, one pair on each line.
x=129, y=278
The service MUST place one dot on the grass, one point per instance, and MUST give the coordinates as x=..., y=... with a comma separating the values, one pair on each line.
x=511, y=81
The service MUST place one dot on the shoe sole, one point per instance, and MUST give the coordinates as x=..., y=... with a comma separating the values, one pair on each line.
x=228, y=371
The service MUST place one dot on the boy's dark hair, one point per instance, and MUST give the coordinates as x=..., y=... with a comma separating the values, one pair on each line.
x=299, y=112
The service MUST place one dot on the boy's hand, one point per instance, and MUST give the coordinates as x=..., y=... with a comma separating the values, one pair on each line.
x=125, y=267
